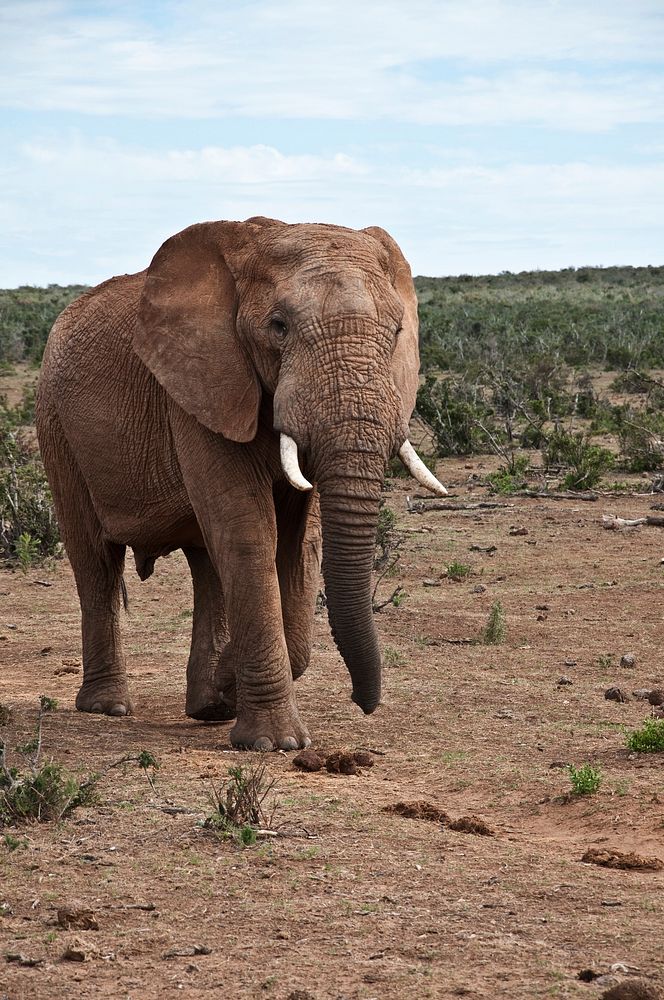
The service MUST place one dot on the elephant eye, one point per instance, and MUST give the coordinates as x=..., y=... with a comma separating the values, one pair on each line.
x=279, y=327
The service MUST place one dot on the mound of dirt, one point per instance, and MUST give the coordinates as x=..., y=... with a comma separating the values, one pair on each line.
x=419, y=809
x=472, y=824
x=308, y=760
x=609, y=857
x=632, y=991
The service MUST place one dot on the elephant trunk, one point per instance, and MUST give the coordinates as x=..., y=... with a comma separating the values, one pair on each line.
x=349, y=518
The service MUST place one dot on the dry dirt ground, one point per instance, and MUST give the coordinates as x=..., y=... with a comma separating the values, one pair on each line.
x=351, y=901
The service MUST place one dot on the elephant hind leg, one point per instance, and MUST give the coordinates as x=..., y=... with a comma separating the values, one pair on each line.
x=210, y=672
x=98, y=567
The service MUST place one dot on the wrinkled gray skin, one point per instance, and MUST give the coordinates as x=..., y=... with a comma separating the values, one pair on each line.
x=160, y=403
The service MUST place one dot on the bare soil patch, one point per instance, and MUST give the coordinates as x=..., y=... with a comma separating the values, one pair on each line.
x=351, y=901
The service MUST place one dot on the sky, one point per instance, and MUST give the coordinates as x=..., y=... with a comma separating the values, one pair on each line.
x=484, y=135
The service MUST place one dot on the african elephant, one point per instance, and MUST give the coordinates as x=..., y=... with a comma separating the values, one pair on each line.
x=172, y=407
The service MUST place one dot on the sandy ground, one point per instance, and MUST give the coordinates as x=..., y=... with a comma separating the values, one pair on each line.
x=351, y=901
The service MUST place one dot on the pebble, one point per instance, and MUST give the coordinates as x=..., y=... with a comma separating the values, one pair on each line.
x=615, y=694
x=628, y=660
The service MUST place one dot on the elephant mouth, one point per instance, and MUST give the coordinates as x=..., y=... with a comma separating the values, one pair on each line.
x=413, y=463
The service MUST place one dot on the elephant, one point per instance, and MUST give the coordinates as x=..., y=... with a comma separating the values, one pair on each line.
x=238, y=400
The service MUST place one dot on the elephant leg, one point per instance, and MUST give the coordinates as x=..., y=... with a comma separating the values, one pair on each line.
x=210, y=674
x=298, y=566
x=98, y=567
x=230, y=489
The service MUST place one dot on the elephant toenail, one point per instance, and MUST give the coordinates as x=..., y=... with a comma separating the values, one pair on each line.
x=289, y=743
x=263, y=743
x=118, y=710
x=96, y=707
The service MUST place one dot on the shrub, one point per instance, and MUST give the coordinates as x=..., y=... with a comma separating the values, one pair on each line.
x=240, y=804
x=587, y=462
x=507, y=481
x=457, y=414
x=40, y=792
x=585, y=779
x=649, y=738
x=28, y=529
x=642, y=442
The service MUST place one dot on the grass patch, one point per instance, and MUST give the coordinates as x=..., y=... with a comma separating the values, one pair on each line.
x=458, y=571
x=496, y=627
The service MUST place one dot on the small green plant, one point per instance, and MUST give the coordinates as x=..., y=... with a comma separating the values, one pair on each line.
x=506, y=481
x=649, y=738
x=496, y=627
x=27, y=550
x=585, y=779
x=243, y=804
x=43, y=792
x=605, y=661
x=13, y=843
x=458, y=571
x=392, y=657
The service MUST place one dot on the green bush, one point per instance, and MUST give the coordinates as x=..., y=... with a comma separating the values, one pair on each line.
x=587, y=462
x=28, y=529
x=585, y=779
x=642, y=442
x=649, y=738
x=458, y=415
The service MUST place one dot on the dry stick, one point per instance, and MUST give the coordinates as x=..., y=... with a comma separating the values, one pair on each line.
x=421, y=507
x=616, y=523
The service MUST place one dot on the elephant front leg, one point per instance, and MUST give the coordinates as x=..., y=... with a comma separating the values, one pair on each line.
x=210, y=671
x=267, y=714
x=298, y=566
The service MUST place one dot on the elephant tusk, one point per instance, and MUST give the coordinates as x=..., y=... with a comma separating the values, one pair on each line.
x=418, y=469
x=290, y=464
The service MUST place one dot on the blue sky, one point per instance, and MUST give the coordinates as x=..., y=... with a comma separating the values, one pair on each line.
x=485, y=135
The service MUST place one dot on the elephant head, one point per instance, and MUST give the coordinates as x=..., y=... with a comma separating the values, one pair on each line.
x=324, y=320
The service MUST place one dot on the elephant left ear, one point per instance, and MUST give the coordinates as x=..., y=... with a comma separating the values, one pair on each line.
x=406, y=357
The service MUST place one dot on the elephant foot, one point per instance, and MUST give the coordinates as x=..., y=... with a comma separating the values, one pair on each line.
x=218, y=711
x=104, y=698
x=279, y=729
x=208, y=703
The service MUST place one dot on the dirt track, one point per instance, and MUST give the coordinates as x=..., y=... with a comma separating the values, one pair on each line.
x=355, y=902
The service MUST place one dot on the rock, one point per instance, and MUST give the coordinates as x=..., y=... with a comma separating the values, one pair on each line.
x=307, y=760
x=77, y=917
x=641, y=694
x=431, y=583
x=656, y=696
x=628, y=660
x=563, y=681
x=570, y=663
x=518, y=530
x=300, y=995
x=77, y=951
x=615, y=694
x=479, y=588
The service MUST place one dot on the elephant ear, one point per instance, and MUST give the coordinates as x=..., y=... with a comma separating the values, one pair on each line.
x=186, y=330
x=406, y=357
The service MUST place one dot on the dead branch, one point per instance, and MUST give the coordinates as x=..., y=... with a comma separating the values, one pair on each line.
x=613, y=523
x=422, y=506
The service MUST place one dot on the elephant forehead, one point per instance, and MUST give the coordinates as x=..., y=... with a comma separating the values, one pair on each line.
x=311, y=242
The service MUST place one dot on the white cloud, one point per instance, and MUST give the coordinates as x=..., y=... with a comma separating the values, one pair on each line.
x=503, y=60
x=99, y=208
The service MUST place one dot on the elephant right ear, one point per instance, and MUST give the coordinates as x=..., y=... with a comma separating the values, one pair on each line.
x=186, y=330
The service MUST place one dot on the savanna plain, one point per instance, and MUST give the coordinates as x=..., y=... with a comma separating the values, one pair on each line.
x=503, y=831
